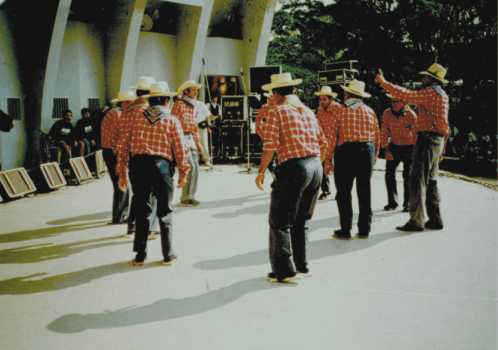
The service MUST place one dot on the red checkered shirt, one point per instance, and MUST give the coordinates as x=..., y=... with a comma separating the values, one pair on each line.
x=185, y=113
x=398, y=130
x=163, y=138
x=432, y=106
x=293, y=132
x=109, y=130
x=327, y=118
x=262, y=119
x=356, y=122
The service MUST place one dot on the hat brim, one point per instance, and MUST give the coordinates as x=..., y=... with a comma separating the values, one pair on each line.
x=433, y=76
x=325, y=94
x=356, y=93
x=187, y=86
x=162, y=94
x=116, y=100
x=271, y=86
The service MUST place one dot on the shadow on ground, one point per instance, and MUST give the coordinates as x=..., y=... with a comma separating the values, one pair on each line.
x=48, y=251
x=162, y=310
x=47, y=232
x=316, y=250
x=85, y=217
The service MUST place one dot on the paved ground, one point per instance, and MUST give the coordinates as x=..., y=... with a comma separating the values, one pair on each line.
x=66, y=281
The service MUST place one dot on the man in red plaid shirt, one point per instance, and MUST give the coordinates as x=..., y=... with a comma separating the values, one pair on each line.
x=109, y=128
x=398, y=135
x=432, y=104
x=326, y=114
x=355, y=146
x=292, y=131
x=185, y=110
x=154, y=139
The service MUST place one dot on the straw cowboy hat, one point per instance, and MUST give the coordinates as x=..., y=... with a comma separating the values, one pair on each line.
x=357, y=88
x=188, y=84
x=326, y=91
x=160, y=89
x=281, y=80
x=437, y=72
x=123, y=96
x=144, y=83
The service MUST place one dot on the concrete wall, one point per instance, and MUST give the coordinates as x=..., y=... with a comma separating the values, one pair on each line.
x=223, y=56
x=12, y=144
x=156, y=57
x=81, y=73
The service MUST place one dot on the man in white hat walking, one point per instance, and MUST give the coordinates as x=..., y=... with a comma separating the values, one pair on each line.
x=432, y=132
x=292, y=131
x=109, y=129
x=185, y=110
x=154, y=140
x=354, y=148
x=326, y=114
x=398, y=135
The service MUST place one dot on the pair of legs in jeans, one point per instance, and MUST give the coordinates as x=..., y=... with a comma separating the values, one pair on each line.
x=401, y=154
x=190, y=189
x=354, y=161
x=152, y=174
x=423, y=182
x=120, y=199
x=293, y=199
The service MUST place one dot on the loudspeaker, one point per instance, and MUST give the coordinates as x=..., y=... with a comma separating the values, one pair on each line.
x=16, y=183
x=100, y=166
x=48, y=177
x=80, y=170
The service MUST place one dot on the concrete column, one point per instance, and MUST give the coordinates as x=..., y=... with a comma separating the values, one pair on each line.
x=256, y=31
x=191, y=39
x=122, y=43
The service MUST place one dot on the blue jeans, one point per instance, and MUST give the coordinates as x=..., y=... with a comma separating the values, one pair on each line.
x=293, y=199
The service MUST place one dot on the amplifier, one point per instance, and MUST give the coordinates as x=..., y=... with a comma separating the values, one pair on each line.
x=100, y=167
x=16, y=183
x=48, y=177
x=80, y=170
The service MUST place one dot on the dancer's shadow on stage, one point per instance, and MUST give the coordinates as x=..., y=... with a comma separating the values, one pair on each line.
x=255, y=210
x=162, y=310
x=42, y=282
x=45, y=232
x=318, y=249
x=232, y=202
x=79, y=218
x=48, y=251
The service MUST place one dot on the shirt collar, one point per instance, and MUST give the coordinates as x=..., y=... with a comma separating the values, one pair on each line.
x=350, y=102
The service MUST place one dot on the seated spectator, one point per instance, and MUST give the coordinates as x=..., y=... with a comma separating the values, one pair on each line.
x=6, y=122
x=85, y=134
x=62, y=134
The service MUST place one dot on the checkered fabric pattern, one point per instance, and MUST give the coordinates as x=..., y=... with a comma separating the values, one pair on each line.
x=261, y=120
x=432, y=106
x=163, y=138
x=398, y=130
x=186, y=115
x=327, y=118
x=293, y=133
x=355, y=123
x=109, y=129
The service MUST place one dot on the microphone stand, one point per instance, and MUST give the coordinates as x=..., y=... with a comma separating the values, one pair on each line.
x=248, y=122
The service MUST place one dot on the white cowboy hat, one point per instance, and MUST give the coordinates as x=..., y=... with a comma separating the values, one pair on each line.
x=437, y=72
x=144, y=83
x=281, y=80
x=160, y=89
x=188, y=84
x=357, y=88
x=123, y=96
x=326, y=91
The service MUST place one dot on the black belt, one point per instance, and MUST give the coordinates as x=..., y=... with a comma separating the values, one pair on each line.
x=429, y=133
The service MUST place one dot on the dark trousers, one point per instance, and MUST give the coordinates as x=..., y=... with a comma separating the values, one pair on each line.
x=423, y=178
x=120, y=199
x=401, y=154
x=152, y=175
x=325, y=183
x=293, y=199
x=354, y=161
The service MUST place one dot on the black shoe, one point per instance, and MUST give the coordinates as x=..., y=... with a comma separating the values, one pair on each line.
x=410, y=227
x=323, y=196
x=139, y=259
x=390, y=207
x=363, y=235
x=169, y=260
x=431, y=225
x=342, y=234
x=273, y=278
